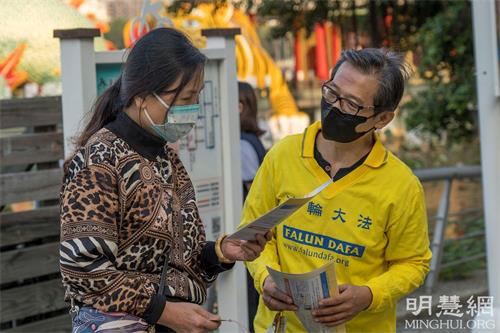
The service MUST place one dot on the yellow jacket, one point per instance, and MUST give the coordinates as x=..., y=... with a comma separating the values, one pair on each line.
x=372, y=223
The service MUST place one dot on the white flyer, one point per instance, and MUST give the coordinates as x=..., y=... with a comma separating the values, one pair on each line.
x=307, y=290
x=274, y=217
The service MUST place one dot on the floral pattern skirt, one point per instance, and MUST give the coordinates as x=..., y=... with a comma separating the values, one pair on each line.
x=90, y=320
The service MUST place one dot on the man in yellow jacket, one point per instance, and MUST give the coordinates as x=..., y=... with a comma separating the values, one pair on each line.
x=371, y=221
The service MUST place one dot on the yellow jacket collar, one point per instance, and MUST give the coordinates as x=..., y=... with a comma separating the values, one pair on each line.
x=377, y=157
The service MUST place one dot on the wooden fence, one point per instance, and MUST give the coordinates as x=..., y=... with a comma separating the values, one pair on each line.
x=31, y=146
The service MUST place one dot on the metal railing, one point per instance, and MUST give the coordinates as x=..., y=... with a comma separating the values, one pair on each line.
x=447, y=175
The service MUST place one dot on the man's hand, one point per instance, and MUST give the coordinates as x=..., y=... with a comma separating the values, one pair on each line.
x=339, y=309
x=274, y=298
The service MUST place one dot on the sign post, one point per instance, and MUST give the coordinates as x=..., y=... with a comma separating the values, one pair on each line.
x=487, y=56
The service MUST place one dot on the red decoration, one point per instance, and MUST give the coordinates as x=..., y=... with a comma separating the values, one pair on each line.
x=8, y=68
x=321, y=63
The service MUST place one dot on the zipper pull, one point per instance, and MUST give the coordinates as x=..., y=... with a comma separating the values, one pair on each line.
x=74, y=309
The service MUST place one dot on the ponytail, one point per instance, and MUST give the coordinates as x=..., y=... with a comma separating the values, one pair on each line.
x=105, y=109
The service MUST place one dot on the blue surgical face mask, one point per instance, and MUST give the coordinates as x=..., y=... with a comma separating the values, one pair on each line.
x=180, y=120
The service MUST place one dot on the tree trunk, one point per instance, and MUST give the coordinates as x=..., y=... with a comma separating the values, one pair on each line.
x=354, y=23
x=375, y=32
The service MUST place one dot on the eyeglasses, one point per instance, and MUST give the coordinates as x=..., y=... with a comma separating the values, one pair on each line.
x=346, y=105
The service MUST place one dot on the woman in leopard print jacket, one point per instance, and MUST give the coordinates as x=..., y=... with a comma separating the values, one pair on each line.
x=128, y=207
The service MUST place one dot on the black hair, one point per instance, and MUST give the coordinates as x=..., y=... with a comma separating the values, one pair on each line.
x=390, y=69
x=155, y=62
x=248, y=116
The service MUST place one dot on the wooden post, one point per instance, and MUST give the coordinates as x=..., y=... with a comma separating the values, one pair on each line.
x=78, y=68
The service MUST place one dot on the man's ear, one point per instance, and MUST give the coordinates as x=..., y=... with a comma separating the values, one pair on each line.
x=383, y=118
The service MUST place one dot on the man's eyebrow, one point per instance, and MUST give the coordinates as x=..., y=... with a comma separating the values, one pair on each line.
x=356, y=99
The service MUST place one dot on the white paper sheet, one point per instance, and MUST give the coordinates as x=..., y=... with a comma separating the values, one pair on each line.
x=306, y=291
x=274, y=217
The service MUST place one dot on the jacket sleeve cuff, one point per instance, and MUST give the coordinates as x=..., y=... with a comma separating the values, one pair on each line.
x=260, y=279
x=377, y=297
x=155, y=309
x=210, y=262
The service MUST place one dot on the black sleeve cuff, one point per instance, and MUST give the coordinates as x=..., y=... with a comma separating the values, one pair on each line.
x=155, y=309
x=210, y=262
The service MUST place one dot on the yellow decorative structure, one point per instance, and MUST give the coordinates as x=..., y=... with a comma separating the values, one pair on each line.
x=254, y=65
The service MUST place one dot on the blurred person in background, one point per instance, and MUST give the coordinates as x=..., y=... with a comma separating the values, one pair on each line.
x=252, y=150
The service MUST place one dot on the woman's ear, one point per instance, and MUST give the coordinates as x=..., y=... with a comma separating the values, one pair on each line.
x=138, y=101
x=240, y=106
x=383, y=118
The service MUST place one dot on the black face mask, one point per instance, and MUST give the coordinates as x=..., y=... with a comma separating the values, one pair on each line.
x=338, y=126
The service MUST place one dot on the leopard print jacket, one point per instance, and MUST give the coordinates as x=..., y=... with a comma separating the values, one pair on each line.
x=126, y=203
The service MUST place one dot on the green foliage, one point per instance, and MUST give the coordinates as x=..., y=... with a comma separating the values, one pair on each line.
x=456, y=250
x=115, y=33
x=186, y=6
x=439, y=33
x=354, y=16
x=293, y=15
x=446, y=107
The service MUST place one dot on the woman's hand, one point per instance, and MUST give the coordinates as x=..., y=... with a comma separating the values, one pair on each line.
x=241, y=250
x=188, y=317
